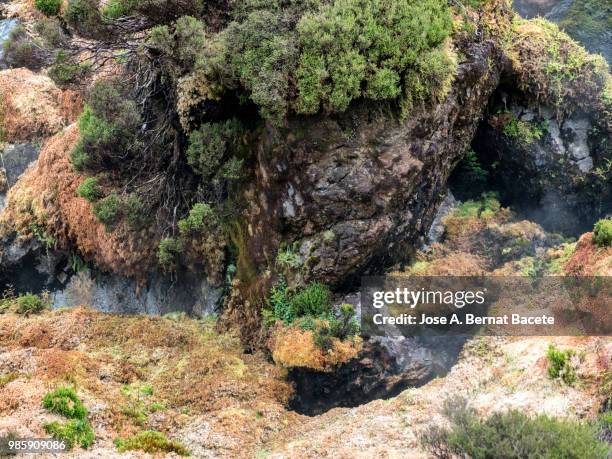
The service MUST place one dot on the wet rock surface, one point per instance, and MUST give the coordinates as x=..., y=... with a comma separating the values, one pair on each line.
x=6, y=27
x=14, y=160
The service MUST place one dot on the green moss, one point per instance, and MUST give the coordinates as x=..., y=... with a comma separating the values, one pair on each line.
x=590, y=16
x=64, y=401
x=73, y=432
x=151, y=441
x=89, y=189
x=602, y=233
x=522, y=131
x=487, y=206
x=48, y=7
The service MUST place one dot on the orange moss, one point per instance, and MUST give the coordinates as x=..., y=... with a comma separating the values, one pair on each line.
x=32, y=107
x=294, y=347
x=589, y=260
x=45, y=198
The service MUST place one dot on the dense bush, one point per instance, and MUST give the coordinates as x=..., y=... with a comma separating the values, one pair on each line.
x=212, y=145
x=602, y=233
x=50, y=29
x=89, y=189
x=201, y=216
x=108, y=126
x=48, y=7
x=152, y=442
x=469, y=179
x=108, y=210
x=560, y=364
x=313, y=300
x=354, y=48
x=84, y=17
x=511, y=435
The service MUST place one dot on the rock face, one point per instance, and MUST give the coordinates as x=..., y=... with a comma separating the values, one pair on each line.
x=560, y=180
x=14, y=160
x=6, y=27
x=385, y=367
x=350, y=190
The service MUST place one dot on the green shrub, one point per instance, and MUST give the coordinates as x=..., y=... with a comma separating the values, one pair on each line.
x=108, y=210
x=488, y=205
x=511, y=435
x=21, y=51
x=65, y=71
x=560, y=364
x=75, y=431
x=135, y=211
x=64, y=401
x=30, y=304
x=469, y=180
x=602, y=233
x=50, y=29
x=89, y=189
x=288, y=259
x=48, y=7
x=168, y=253
x=151, y=441
x=84, y=17
x=345, y=326
x=200, y=217
x=212, y=145
x=314, y=300
x=108, y=126
x=355, y=48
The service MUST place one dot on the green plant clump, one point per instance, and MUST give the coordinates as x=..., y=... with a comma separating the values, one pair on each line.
x=201, y=216
x=487, y=206
x=168, y=252
x=151, y=441
x=511, y=435
x=522, y=131
x=89, y=189
x=30, y=304
x=76, y=430
x=363, y=48
x=64, y=401
x=602, y=233
x=108, y=210
x=48, y=7
x=560, y=364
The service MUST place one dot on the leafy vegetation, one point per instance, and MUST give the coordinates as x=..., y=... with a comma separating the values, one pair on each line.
x=469, y=179
x=201, y=216
x=48, y=7
x=511, y=435
x=77, y=430
x=310, y=308
x=560, y=364
x=89, y=189
x=29, y=303
x=487, y=206
x=151, y=441
x=168, y=252
x=108, y=210
x=602, y=233
x=523, y=131
x=72, y=432
x=356, y=48
x=65, y=71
